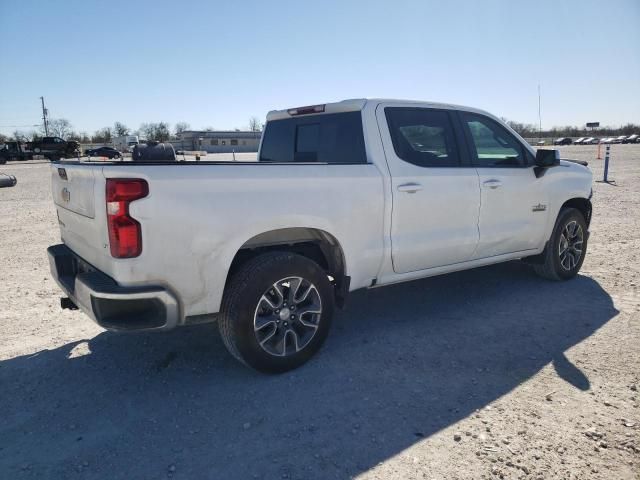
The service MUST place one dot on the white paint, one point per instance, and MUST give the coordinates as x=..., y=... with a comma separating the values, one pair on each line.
x=197, y=216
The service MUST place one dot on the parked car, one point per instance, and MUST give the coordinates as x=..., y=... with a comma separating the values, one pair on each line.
x=270, y=248
x=108, y=152
x=563, y=141
x=590, y=141
x=579, y=141
x=605, y=140
x=619, y=139
x=632, y=139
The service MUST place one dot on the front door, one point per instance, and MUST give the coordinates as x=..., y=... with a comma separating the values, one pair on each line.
x=435, y=195
x=513, y=212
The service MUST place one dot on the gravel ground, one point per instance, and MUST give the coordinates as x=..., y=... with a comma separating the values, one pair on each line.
x=490, y=373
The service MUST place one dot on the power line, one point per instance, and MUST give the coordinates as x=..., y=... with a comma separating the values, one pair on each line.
x=19, y=126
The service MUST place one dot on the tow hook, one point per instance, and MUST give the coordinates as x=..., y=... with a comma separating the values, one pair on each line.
x=67, y=304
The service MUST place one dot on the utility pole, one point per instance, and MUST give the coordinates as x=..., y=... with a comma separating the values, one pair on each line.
x=44, y=118
x=539, y=115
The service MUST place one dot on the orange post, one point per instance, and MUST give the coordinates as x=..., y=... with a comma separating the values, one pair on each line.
x=599, y=157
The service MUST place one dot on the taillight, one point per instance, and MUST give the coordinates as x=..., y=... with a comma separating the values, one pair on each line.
x=125, y=235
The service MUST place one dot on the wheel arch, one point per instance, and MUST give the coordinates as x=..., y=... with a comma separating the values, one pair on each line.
x=313, y=243
x=581, y=204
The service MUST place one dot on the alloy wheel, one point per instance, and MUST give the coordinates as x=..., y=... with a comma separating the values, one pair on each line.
x=570, y=245
x=287, y=316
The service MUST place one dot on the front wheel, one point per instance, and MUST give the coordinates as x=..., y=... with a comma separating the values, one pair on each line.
x=567, y=247
x=276, y=311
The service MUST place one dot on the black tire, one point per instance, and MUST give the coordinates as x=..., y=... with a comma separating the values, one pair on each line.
x=552, y=268
x=242, y=298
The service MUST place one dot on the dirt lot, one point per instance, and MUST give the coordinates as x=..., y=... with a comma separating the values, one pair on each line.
x=491, y=373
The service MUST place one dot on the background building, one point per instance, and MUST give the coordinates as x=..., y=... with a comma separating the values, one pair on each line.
x=218, y=142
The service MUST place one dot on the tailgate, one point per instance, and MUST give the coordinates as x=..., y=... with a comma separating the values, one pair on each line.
x=77, y=189
x=73, y=189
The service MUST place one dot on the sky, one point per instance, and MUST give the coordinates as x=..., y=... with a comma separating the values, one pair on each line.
x=216, y=64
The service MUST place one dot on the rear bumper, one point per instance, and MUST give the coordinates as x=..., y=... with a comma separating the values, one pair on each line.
x=110, y=305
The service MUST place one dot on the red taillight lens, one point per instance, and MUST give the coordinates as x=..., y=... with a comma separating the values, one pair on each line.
x=125, y=235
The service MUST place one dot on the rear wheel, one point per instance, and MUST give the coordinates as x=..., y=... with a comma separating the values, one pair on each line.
x=567, y=247
x=276, y=311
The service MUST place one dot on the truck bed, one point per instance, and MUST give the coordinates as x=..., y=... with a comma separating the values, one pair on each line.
x=199, y=214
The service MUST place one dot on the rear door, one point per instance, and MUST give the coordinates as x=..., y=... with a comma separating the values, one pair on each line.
x=435, y=191
x=513, y=211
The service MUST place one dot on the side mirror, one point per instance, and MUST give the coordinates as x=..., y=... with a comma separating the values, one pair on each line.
x=547, y=158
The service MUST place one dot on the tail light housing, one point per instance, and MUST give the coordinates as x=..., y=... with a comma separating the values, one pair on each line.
x=125, y=234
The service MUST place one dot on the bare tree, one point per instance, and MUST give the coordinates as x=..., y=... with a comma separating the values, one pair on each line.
x=21, y=136
x=103, y=135
x=158, y=132
x=181, y=127
x=162, y=132
x=255, y=125
x=120, y=129
x=146, y=131
x=60, y=127
x=523, y=129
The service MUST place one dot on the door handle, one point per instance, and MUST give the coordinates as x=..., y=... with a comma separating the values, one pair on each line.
x=493, y=183
x=409, y=187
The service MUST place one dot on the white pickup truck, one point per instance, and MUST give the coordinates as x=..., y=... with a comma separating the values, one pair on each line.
x=347, y=195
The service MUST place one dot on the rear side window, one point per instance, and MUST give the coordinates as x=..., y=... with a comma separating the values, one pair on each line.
x=423, y=136
x=327, y=138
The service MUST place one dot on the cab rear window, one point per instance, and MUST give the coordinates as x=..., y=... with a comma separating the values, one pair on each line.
x=326, y=138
